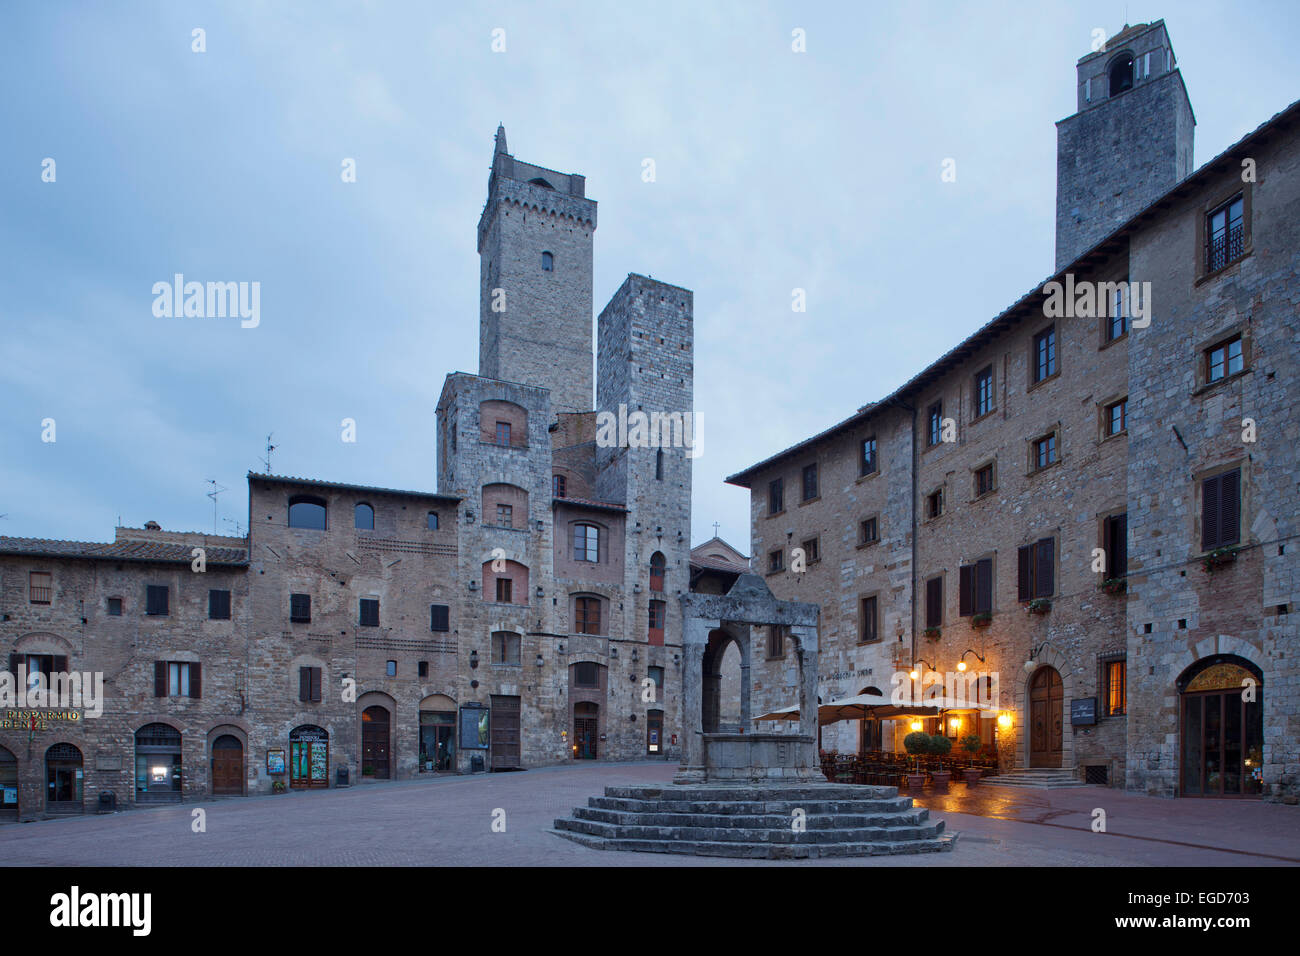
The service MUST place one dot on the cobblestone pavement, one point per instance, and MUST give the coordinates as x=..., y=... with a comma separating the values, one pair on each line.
x=448, y=821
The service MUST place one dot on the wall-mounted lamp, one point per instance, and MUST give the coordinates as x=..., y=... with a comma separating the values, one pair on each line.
x=540, y=591
x=635, y=656
x=613, y=652
x=469, y=517
x=1032, y=663
x=539, y=660
x=961, y=664
x=560, y=647
x=915, y=674
x=1004, y=719
x=917, y=725
x=473, y=658
x=473, y=585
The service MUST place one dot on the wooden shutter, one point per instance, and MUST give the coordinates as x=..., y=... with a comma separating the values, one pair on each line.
x=160, y=678
x=933, y=602
x=196, y=679
x=315, y=683
x=1230, y=507
x=304, y=683
x=1210, y=512
x=1022, y=574
x=440, y=620
x=984, y=586
x=60, y=664
x=1045, y=568
x=15, y=660
x=965, y=591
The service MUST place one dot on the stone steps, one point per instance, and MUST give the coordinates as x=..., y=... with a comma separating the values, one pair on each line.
x=1035, y=778
x=755, y=822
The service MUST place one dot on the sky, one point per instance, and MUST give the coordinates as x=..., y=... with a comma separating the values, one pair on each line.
x=775, y=170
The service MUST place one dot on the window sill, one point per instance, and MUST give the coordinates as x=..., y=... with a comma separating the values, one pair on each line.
x=867, y=544
x=768, y=574
x=1122, y=433
x=1208, y=387
x=992, y=492
x=1210, y=276
x=873, y=640
x=1109, y=342
x=979, y=418
x=775, y=514
x=1038, y=471
x=870, y=474
x=809, y=501
x=1043, y=381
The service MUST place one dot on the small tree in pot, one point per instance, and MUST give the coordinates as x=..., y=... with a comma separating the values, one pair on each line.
x=916, y=743
x=971, y=744
x=940, y=746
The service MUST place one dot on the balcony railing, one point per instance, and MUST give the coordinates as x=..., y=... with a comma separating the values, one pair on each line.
x=1225, y=247
x=41, y=595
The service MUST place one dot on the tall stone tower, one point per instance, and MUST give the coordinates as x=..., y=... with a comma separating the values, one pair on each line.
x=1129, y=142
x=535, y=263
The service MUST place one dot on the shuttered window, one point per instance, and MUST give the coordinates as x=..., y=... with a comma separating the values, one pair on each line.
x=1036, y=577
x=300, y=608
x=219, y=605
x=868, y=631
x=1115, y=541
x=155, y=599
x=369, y=612
x=934, y=602
x=177, y=679
x=1221, y=510
x=439, y=617
x=309, y=681
x=975, y=589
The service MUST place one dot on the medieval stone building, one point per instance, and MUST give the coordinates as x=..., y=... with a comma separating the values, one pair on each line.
x=1093, y=507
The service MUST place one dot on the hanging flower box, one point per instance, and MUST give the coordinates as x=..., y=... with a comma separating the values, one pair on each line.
x=1115, y=585
x=1038, y=606
x=982, y=619
x=932, y=633
x=1218, y=558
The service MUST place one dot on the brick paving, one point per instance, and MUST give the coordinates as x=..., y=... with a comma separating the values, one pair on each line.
x=448, y=822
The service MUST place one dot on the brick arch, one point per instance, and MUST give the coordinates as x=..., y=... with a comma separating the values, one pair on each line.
x=1052, y=657
x=1219, y=644
x=493, y=410
x=44, y=642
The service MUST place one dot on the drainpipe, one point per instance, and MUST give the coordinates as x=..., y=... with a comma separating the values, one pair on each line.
x=915, y=478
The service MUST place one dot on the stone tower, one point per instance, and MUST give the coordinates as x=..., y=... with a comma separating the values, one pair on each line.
x=1129, y=142
x=535, y=263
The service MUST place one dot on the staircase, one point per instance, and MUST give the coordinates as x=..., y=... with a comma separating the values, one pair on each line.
x=755, y=822
x=1035, y=778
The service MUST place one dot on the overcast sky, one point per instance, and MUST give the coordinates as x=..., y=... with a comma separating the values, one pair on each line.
x=775, y=170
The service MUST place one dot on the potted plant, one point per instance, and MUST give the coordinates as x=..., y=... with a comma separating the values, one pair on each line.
x=982, y=619
x=940, y=746
x=1115, y=585
x=1038, y=606
x=278, y=786
x=1218, y=558
x=972, y=745
x=932, y=633
x=916, y=743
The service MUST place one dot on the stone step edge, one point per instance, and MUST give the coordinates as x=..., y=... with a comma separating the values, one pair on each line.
x=897, y=834
x=761, y=851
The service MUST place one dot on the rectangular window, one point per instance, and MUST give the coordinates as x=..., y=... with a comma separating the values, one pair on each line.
x=867, y=629
x=809, y=482
x=431, y=522
x=369, y=612
x=775, y=496
x=1117, y=315
x=984, y=480
x=975, y=588
x=505, y=591
x=934, y=504
x=155, y=600
x=812, y=550
x=586, y=543
x=984, y=392
x=422, y=669
x=309, y=684
x=776, y=560
x=177, y=679
x=390, y=669
x=656, y=674
x=1117, y=417
x=934, y=424
x=503, y=433
x=40, y=587
x=115, y=607
x=1037, y=570
x=559, y=485
x=1221, y=510
x=1044, y=452
x=439, y=617
x=505, y=516
x=1225, y=235
x=868, y=531
x=1224, y=359
x=1044, y=360
x=300, y=608
x=585, y=674
x=1114, y=687
x=775, y=641
x=658, y=611
x=934, y=602
x=586, y=615
x=868, y=464
x=505, y=648
x=219, y=605
x=1114, y=533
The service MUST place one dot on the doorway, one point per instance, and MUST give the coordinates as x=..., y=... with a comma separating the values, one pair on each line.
x=63, y=779
x=1045, y=717
x=654, y=735
x=437, y=741
x=1221, y=731
x=309, y=757
x=374, y=743
x=8, y=784
x=586, y=730
x=227, y=766
x=505, y=733
x=157, y=764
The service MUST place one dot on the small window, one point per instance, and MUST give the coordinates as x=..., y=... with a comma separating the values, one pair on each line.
x=505, y=648
x=586, y=543
x=155, y=600
x=40, y=587
x=363, y=517
x=391, y=669
x=219, y=605
x=1221, y=510
x=422, y=669
x=1114, y=686
x=1114, y=534
x=369, y=612
x=1044, y=354
x=503, y=433
x=1117, y=314
x=776, y=560
x=810, y=482
x=586, y=615
x=775, y=641
x=505, y=516
x=867, y=624
x=934, y=602
x=658, y=566
x=867, y=464
x=1225, y=234
x=115, y=607
x=505, y=591
x=984, y=391
x=300, y=608
x=585, y=674
x=1117, y=417
x=177, y=679
x=659, y=465
x=1224, y=359
x=984, y=480
x=308, y=512
x=868, y=531
x=548, y=262
x=657, y=613
x=812, y=550
x=775, y=496
x=309, y=684
x=975, y=588
x=559, y=486
x=439, y=617
x=656, y=674
x=431, y=522
x=1036, y=577
x=934, y=503
x=934, y=424
x=1043, y=452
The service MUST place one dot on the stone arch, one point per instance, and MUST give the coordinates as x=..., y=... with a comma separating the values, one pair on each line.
x=238, y=731
x=1120, y=73
x=44, y=642
x=1052, y=657
x=720, y=640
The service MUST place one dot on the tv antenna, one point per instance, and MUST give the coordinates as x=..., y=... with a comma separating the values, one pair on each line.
x=267, y=460
x=216, y=490
x=239, y=526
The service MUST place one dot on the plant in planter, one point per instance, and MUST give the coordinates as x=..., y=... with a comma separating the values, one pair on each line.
x=1115, y=585
x=278, y=786
x=367, y=771
x=916, y=743
x=1218, y=558
x=1038, y=606
x=932, y=633
x=982, y=619
x=940, y=746
x=972, y=745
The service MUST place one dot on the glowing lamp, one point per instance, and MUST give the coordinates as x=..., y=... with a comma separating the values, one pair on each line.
x=961, y=665
x=916, y=725
x=1004, y=719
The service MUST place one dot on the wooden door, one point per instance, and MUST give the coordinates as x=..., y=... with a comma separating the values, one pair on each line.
x=374, y=743
x=1045, y=718
x=505, y=733
x=227, y=765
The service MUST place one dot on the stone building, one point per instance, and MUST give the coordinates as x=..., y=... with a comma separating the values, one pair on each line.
x=1041, y=504
x=526, y=613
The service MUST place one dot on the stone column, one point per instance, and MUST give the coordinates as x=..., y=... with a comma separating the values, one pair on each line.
x=695, y=636
x=746, y=652
x=805, y=637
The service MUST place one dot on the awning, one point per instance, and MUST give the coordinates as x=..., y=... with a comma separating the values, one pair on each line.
x=879, y=707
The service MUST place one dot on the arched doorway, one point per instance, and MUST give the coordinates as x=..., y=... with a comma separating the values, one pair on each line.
x=157, y=764
x=586, y=730
x=437, y=734
x=1045, y=717
x=309, y=757
x=8, y=784
x=63, y=773
x=227, y=766
x=1221, y=728
x=722, y=690
x=374, y=742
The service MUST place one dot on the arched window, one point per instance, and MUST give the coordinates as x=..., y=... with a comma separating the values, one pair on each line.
x=1121, y=75
x=586, y=615
x=657, y=566
x=432, y=521
x=307, y=511
x=586, y=543
x=364, y=517
x=548, y=262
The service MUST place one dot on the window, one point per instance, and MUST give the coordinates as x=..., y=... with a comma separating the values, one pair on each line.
x=812, y=550
x=1117, y=417
x=369, y=612
x=984, y=391
x=115, y=607
x=505, y=648
x=432, y=521
x=1221, y=510
x=390, y=669
x=1224, y=359
x=1043, y=452
x=306, y=511
x=1225, y=234
x=657, y=568
x=586, y=543
x=776, y=560
x=658, y=610
x=1117, y=320
x=867, y=629
x=868, y=531
x=505, y=516
x=656, y=674
x=775, y=496
x=155, y=600
x=219, y=605
x=984, y=480
x=40, y=587
x=177, y=679
x=363, y=517
x=975, y=588
x=503, y=433
x=810, y=482
x=1044, y=354
x=659, y=465
x=439, y=617
x=775, y=641
x=586, y=615
x=300, y=608
x=1114, y=538
x=1037, y=570
x=934, y=503
x=559, y=486
x=309, y=684
x=585, y=675
x=38, y=665
x=1114, y=685
x=934, y=424
x=422, y=669
x=868, y=465
x=934, y=602
x=548, y=262
x=505, y=591
x=1121, y=75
